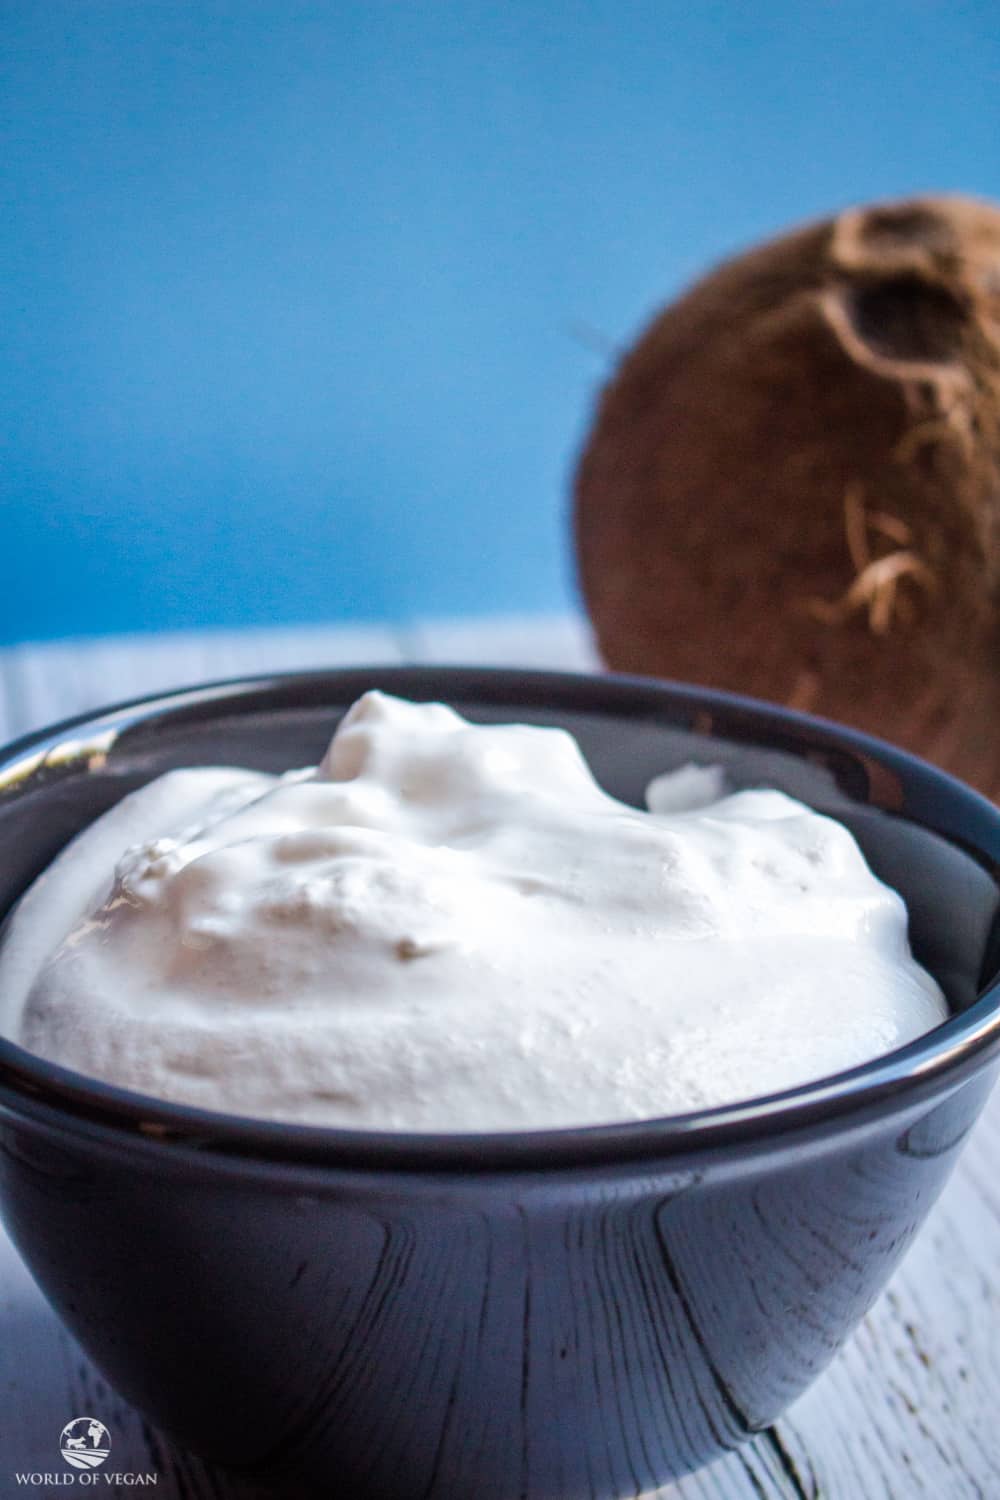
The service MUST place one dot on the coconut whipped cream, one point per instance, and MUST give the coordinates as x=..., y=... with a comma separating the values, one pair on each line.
x=449, y=927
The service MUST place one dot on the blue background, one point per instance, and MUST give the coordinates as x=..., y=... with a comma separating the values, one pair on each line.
x=304, y=306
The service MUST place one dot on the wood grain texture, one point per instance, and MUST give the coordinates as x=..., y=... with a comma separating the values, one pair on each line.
x=907, y=1410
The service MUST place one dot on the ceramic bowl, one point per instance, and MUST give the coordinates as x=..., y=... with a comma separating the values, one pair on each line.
x=566, y=1313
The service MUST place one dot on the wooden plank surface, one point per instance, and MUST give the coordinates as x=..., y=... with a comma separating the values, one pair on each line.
x=908, y=1409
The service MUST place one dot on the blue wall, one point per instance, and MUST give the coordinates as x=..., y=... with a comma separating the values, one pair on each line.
x=304, y=304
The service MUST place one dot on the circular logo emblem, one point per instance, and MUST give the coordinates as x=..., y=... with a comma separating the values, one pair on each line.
x=85, y=1443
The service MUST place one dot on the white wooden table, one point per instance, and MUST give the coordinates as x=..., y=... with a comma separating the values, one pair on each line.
x=910, y=1408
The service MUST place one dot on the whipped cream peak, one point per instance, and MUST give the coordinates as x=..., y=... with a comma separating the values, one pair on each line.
x=429, y=756
x=451, y=926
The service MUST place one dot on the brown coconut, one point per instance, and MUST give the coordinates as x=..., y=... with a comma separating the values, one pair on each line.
x=792, y=484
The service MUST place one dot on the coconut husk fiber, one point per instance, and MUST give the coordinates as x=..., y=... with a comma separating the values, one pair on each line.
x=792, y=484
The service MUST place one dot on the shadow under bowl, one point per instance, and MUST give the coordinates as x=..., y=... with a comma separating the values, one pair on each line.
x=569, y=1313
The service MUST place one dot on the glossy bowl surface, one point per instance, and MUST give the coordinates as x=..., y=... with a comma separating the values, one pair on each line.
x=564, y=1313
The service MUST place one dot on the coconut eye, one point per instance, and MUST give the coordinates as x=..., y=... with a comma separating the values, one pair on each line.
x=907, y=318
x=885, y=230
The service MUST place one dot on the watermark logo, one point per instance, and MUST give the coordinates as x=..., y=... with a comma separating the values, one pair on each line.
x=85, y=1443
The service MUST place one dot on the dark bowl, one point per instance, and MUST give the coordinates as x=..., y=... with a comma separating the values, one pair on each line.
x=565, y=1313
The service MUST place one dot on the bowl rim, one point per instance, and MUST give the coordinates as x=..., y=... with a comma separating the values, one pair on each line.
x=930, y=1065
